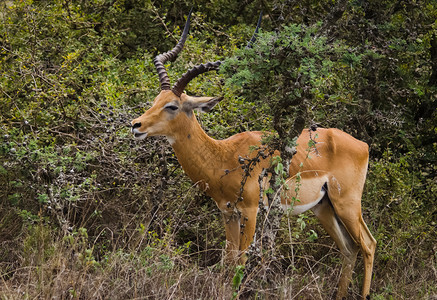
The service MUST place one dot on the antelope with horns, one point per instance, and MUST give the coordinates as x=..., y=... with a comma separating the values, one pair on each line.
x=331, y=183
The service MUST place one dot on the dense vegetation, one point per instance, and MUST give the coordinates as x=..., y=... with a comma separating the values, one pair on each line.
x=88, y=212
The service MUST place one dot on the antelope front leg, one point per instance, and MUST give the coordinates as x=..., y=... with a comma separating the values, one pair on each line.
x=247, y=230
x=240, y=228
x=232, y=228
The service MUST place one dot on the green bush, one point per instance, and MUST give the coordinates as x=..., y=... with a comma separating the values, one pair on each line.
x=87, y=211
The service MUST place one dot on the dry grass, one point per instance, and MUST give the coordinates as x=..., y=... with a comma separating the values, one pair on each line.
x=64, y=266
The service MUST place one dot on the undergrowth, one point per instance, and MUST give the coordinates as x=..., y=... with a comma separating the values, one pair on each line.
x=87, y=212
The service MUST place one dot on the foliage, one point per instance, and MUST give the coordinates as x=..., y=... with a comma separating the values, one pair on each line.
x=300, y=69
x=87, y=211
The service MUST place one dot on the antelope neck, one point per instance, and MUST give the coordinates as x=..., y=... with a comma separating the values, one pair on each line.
x=199, y=155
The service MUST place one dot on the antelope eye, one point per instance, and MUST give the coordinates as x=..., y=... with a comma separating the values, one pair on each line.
x=171, y=107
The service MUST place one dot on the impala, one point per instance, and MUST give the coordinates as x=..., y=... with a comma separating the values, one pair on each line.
x=331, y=182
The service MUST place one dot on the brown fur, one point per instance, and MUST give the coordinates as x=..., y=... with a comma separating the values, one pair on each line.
x=338, y=161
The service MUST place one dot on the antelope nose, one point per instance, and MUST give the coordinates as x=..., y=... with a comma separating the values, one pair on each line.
x=136, y=125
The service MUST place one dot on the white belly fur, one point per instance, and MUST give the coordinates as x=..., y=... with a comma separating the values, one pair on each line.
x=301, y=208
x=308, y=192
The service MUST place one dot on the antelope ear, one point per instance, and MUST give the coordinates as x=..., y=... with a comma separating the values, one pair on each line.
x=203, y=104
